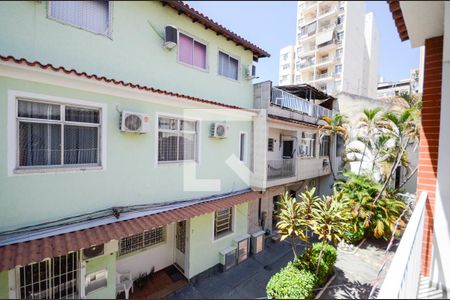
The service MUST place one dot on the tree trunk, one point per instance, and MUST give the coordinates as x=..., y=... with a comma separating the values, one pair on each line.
x=320, y=257
x=394, y=167
x=331, y=167
x=293, y=247
x=362, y=158
x=408, y=178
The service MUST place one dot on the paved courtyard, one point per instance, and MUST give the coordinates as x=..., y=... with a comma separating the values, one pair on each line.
x=355, y=274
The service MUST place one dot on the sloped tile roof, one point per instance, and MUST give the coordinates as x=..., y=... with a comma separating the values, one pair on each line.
x=24, y=253
x=197, y=16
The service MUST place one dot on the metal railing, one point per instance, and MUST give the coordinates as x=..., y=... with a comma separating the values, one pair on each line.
x=402, y=278
x=324, y=75
x=326, y=59
x=287, y=100
x=280, y=168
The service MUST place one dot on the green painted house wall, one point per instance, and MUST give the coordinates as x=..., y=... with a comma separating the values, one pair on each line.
x=4, y=285
x=134, y=53
x=204, y=250
x=130, y=177
x=107, y=262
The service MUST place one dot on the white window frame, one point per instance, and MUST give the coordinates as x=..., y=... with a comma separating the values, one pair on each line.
x=233, y=225
x=329, y=145
x=110, y=20
x=13, y=134
x=197, y=155
x=143, y=248
x=308, y=139
x=198, y=40
x=238, y=66
x=245, y=150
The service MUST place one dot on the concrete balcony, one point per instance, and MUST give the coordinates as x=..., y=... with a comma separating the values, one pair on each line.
x=324, y=77
x=282, y=168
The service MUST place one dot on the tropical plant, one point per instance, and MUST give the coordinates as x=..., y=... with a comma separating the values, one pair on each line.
x=291, y=283
x=377, y=218
x=368, y=124
x=290, y=220
x=337, y=125
x=308, y=198
x=310, y=258
x=330, y=221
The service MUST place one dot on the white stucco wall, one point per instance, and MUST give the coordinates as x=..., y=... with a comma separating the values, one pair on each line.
x=159, y=256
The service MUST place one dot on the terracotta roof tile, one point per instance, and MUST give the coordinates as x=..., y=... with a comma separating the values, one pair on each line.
x=397, y=15
x=23, y=61
x=24, y=253
x=197, y=16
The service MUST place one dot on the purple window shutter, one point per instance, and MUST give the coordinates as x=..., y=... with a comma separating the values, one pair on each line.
x=185, y=50
x=199, y=55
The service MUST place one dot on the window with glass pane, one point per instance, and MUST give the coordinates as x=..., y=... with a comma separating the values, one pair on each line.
x=49, y=137
x=324, y=149
x=308, y=145
x=338, y=69
x=191, y=52
x=228, y=66
x=89, y=15
x=142, y=240
x=223, y=222
x=177, y=139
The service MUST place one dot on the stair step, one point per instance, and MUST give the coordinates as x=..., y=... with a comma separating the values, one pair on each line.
x=431, y=295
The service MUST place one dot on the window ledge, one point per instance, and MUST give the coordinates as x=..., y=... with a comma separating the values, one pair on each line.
x=223, y=237
x=176, y=163
x=53, y=170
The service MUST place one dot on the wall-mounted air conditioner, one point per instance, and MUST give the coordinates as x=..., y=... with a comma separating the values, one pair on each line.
x=257, y=242
x=219, y=130
x=243, y=247
x=250, y=72
x=228, y=258
x=170, y=37
x=134, y=122
x=94, y=251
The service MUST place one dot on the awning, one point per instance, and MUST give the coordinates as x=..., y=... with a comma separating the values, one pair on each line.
x=24, y=253
x=324, y=37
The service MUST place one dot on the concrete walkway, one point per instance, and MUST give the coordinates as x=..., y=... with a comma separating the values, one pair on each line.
x=246, y=280
x=356, y=273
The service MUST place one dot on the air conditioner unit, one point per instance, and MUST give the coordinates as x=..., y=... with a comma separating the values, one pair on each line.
x=134, y=122
x=250, y=72
x=257, y=242
x=93, y=251
x=219, y=130
x=228, y=258
x=243, y=247
x=170, y=37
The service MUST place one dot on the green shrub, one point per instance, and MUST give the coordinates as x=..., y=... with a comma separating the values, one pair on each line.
x=291, y=283
x=309, y=259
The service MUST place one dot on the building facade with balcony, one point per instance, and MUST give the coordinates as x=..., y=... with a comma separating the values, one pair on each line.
x=290, y=154
x=336, y=48
x=117, y=123
x=420, y=267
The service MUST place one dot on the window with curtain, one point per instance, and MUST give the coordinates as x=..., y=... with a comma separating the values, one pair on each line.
x=90, y=15
x=57, y=134
x=308, y=145
x=228, y=66
x=177, y=139
x=191, y=52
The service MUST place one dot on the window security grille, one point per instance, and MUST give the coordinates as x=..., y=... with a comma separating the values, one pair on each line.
x=57, y=135
x=223, y=222
x=176, y=139
x=325, y=146
x=51, y=279
x=308, y=145
x=142, y=240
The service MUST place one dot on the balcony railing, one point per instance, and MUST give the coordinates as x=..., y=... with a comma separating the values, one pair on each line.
x=327, y=27
x=402, y=278
x=287, y=100
x=283, y=168
x=326, y=59
x=325, y=75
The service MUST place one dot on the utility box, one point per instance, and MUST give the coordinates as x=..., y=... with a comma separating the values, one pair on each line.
x=257, y=242
x=228, y=258
x=243, y=247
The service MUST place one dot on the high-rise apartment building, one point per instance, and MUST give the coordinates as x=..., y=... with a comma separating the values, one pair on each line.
x=336, y=48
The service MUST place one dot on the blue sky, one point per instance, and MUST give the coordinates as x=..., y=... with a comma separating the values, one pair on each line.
x=271, y=26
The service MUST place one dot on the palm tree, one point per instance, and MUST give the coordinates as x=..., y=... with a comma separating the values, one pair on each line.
x=369, y=124
x=337, y=125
